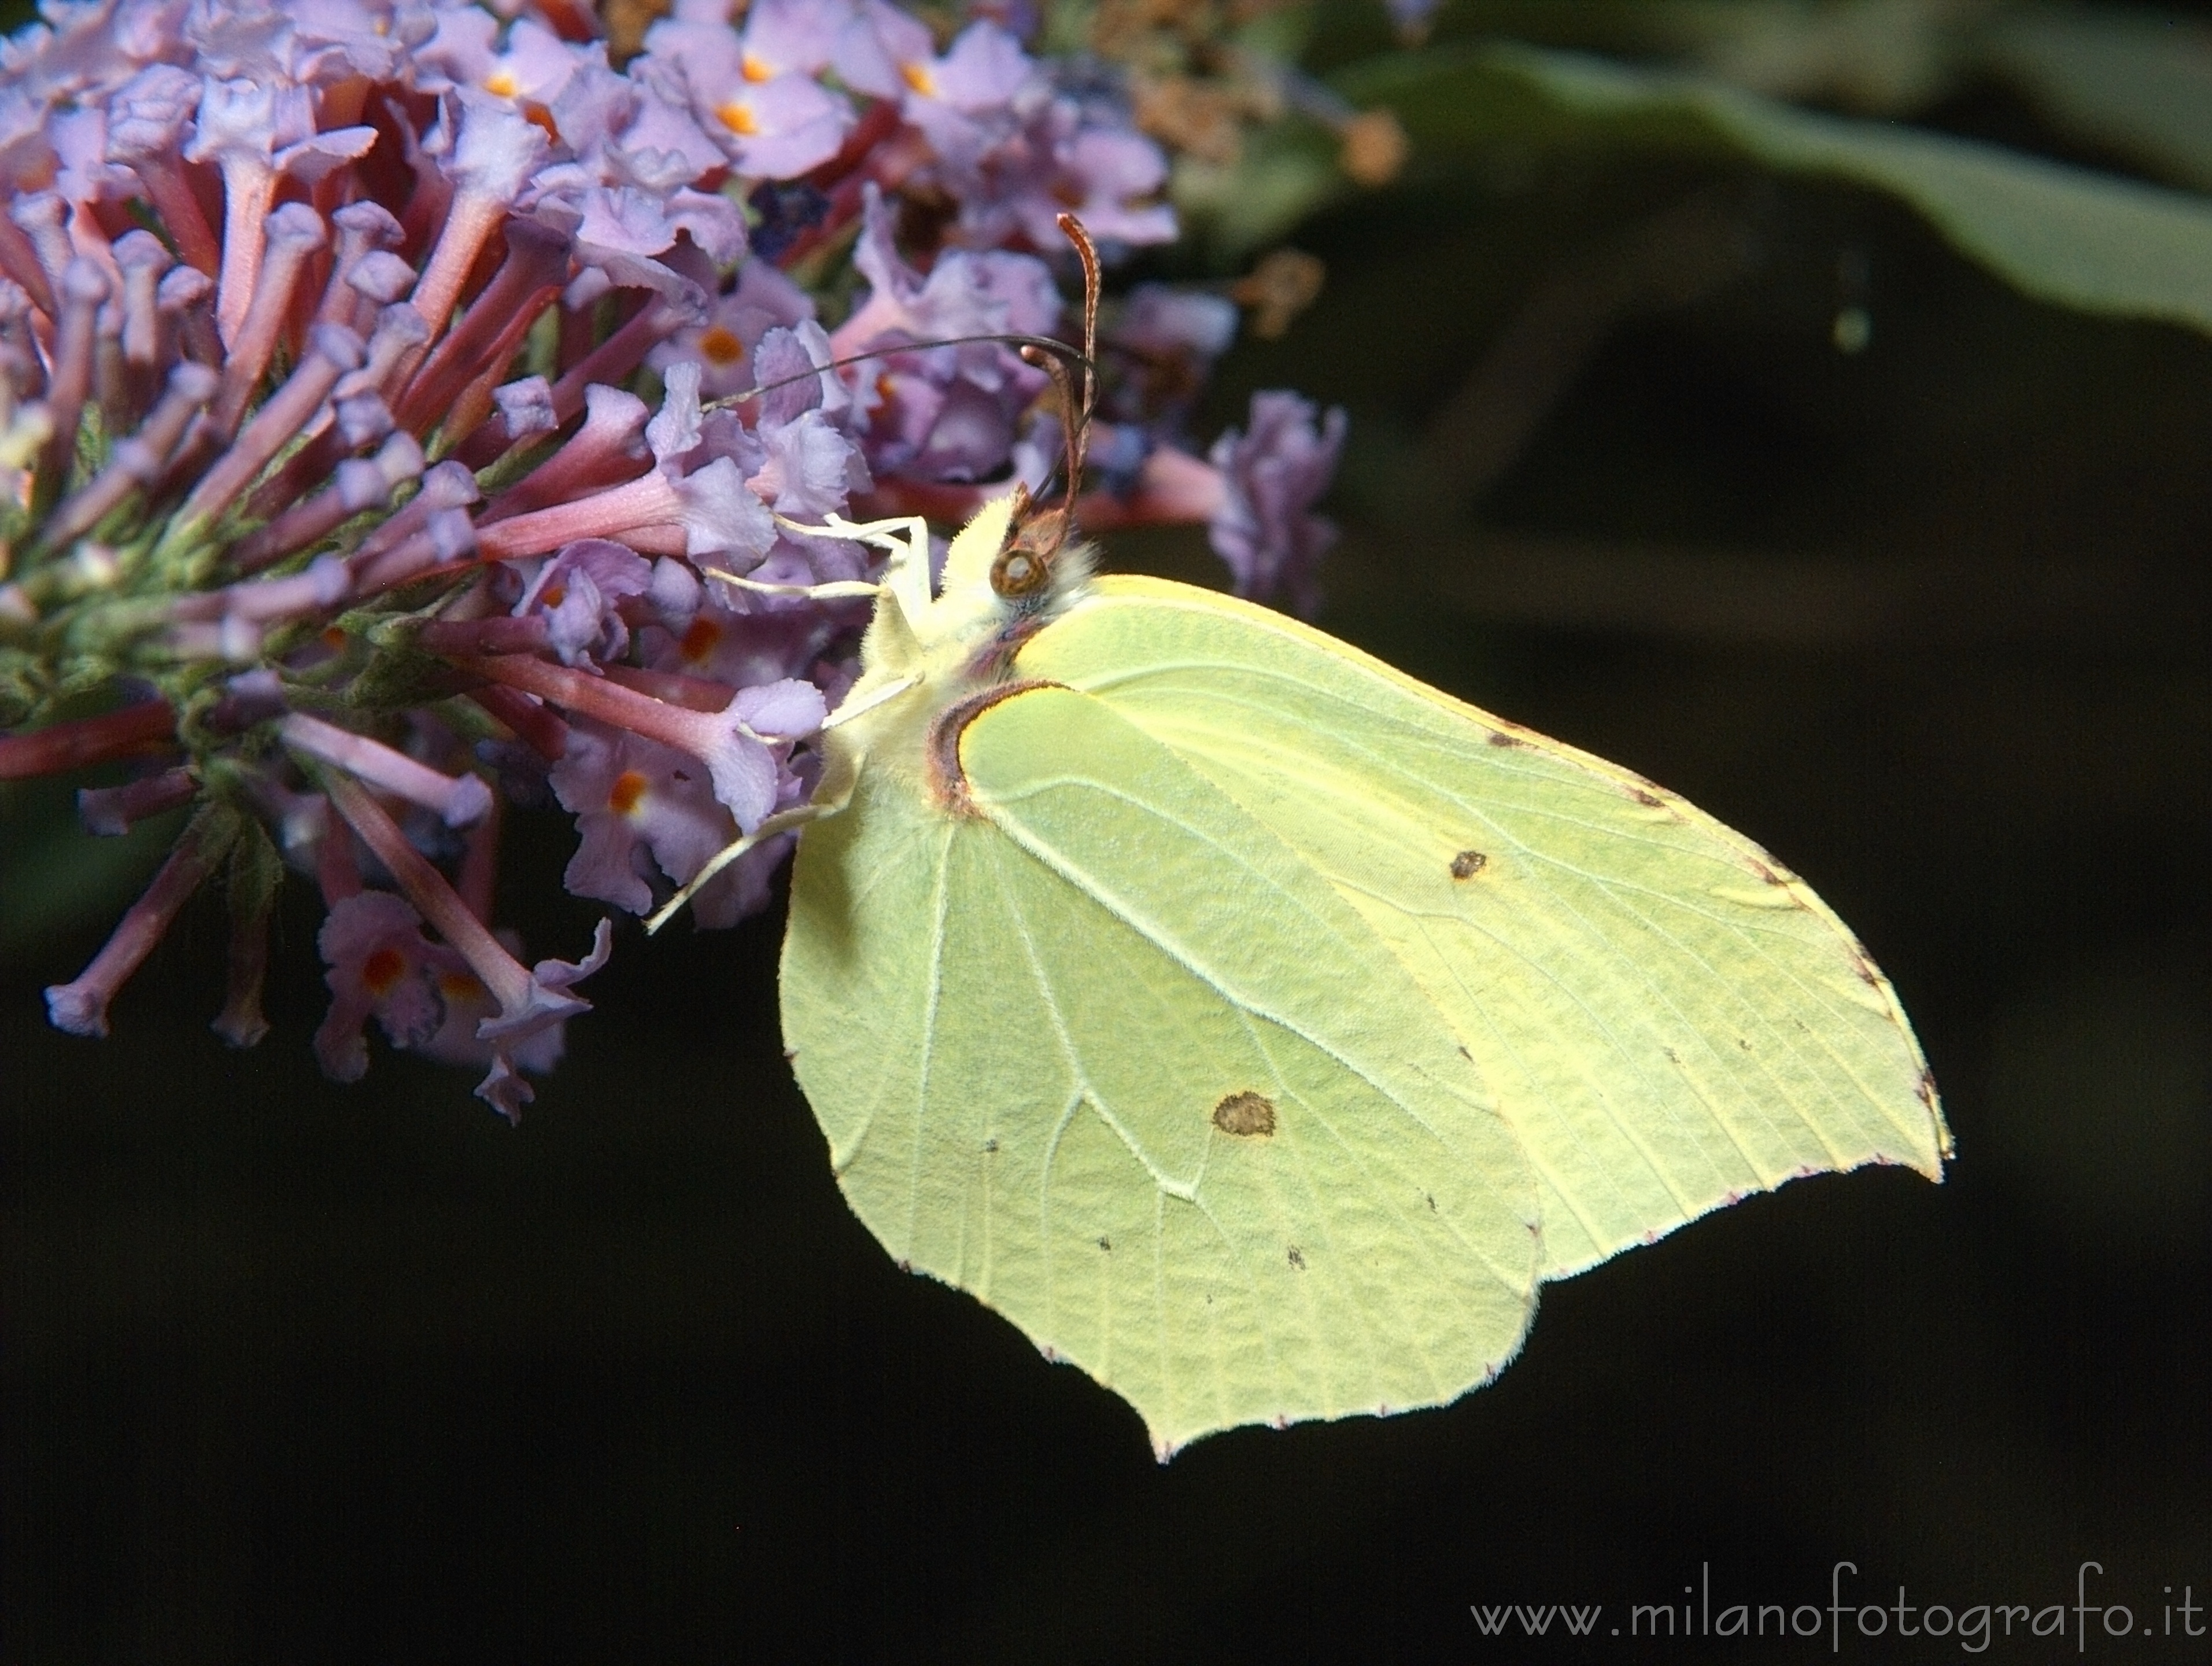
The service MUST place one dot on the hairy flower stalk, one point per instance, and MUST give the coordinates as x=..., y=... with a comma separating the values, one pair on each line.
x=380, y=380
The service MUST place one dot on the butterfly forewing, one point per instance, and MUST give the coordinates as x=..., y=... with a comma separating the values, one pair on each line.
x=1137, y=1076
x=1667, y=1017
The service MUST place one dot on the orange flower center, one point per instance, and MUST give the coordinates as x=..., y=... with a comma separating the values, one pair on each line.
x=917, y=76
x=719, y=344
x=628, y=792
x=699, y=639
x=738, y=118
x=753, y=69
x=382, y=970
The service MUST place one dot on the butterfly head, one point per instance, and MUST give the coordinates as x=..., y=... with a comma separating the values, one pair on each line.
x=1016, y=566
x=1011, y=570
x=1021, y=573
x=1018, y=563
x=1035, y=564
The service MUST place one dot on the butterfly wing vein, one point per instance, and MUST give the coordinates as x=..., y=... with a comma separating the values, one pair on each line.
x=1508, y=1009
x=1058, y=993
x=1667, y=1017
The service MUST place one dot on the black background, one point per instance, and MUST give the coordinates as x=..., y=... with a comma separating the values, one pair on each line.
x=292, y=1371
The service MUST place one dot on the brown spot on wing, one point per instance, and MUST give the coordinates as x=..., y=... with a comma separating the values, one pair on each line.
x=1245, y=1114
x=1501, y=737
x=1298, y=1258
x=1468, y=864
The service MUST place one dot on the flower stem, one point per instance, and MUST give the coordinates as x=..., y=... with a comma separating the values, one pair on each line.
x=80, y=1006
x=595, y=696
x=458, y=800
x=71, y=745
x=434, y=899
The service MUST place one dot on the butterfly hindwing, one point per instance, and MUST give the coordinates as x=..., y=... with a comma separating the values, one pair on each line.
x=1667, y=1018
x=1104, y=1050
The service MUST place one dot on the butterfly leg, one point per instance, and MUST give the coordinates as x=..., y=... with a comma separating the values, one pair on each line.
x=905, y=575
x=902, y=535
x=905, y=538
x=783, y=821
x=836, y=590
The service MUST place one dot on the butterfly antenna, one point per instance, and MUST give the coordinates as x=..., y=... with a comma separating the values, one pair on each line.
x=1023, y=344
x=1055, y=361
x=1023, y=572
x=1088, y=252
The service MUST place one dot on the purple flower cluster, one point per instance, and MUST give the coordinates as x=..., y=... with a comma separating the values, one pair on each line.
x=386, y=386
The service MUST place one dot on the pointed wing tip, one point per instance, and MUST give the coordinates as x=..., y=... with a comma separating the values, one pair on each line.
x=1931, y=1166
x=1928, y=1165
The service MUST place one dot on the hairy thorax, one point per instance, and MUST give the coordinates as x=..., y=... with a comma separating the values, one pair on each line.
x=931, y=664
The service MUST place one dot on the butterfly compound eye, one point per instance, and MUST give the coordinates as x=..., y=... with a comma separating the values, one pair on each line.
x=1024, y=568
x=1016, y=573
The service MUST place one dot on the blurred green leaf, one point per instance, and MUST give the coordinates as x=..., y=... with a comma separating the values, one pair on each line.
x=2065, y=234
x=1288, y=170
x=55, y=877
x=2138, y=80
x=1881, y=57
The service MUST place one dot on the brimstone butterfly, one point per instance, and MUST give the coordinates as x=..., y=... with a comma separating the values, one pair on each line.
x=1258, y=1028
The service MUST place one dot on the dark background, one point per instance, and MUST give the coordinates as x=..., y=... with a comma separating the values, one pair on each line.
x=291, y=1372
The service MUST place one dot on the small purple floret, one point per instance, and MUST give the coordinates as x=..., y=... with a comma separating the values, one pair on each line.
x=1275, y=472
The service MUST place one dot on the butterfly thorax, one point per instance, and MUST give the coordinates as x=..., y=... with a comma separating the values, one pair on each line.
x=1009, y=573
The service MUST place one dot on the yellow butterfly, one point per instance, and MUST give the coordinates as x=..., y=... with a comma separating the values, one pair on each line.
x=1259, y=1028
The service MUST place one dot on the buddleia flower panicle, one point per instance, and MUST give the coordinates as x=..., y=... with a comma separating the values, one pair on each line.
x=383, y=384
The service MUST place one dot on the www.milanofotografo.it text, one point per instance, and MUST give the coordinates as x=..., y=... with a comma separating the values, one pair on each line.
x=2096, y=1617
